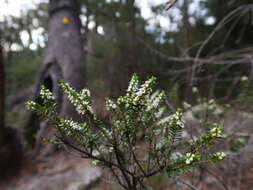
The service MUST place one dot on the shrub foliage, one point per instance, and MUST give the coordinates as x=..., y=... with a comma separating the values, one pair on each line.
x=141, y=139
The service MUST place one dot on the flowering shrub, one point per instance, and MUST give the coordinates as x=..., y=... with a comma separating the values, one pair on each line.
x=141, y=141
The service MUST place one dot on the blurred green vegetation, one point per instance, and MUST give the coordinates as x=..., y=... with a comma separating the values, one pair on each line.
x=21, y=70
x=122, y=42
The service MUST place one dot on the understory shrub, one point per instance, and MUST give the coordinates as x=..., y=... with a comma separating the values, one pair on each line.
x=142, y=140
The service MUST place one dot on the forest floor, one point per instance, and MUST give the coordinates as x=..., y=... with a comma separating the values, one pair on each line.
x=53, y=168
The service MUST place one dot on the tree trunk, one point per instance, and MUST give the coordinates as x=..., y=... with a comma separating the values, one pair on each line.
x=1, y=93
x=10, y=146
x=64, y=59
x=2, y=87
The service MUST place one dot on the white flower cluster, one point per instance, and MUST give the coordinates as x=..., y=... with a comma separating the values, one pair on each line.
x=190, y=157
x=83, y=107
x=133, y=85
x=95, y=162
x=85, y=92
x=31, y=105
x=81, y=102
x=145, y=89
x=177, y=119
x=95, y=153
x=212, y=104
x=68, y=90
x=110, y=105
x=155, y=100
x=244, y=79
x=216, y=132
x=72, y=124
x=103, y=150
x=221, y=155
x=107, y=133
x=176, y=155
x=111, y=149
x=46, y=94
x=116, y=123
x=180, y=124
x=120, y=100
x=195, y=90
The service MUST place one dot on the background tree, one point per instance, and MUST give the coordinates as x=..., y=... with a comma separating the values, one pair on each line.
x=2, y=86
x=10, y=146
x=64, y=58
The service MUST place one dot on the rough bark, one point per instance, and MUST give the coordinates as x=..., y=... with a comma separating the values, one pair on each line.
x=64, y=59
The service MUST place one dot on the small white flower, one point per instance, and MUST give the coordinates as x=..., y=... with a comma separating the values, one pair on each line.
x=176, y=155
x=180, y=124
x=110, y=105
x=114, y=106
x=195, y=90
x=190, y=158
x=95, y=153
x=216, y=132
x=211, y=101
x=85, y=102
x=111, y=149
x=244, y=78
x=95, y=162
x=221, y=155
x=30, y=105
x=46, y=94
